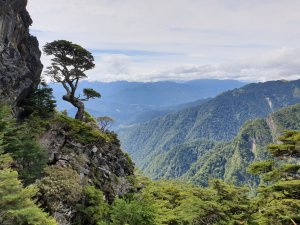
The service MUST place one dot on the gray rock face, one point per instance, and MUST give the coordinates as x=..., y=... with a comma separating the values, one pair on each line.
x=100, y=163
x=20, y=65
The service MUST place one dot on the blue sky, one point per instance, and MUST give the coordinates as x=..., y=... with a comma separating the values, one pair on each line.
x=150, y=40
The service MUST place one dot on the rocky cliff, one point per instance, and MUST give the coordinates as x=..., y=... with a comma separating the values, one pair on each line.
x=20, y=65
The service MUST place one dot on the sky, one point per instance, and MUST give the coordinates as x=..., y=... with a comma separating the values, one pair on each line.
x=153, y=40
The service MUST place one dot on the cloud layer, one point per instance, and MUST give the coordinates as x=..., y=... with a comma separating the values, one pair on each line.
x=177, y=39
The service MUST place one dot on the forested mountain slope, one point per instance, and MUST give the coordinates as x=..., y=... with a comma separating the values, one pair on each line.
x=202, y=160
x=218, y=119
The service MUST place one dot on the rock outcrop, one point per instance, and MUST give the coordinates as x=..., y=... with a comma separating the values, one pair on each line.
x=20, y=65
x=101, y=161
x=95, y=156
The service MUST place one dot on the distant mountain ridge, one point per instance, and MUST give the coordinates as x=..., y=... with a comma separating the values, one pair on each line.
x=167, y=93
x=136, y=102
x=218, y=119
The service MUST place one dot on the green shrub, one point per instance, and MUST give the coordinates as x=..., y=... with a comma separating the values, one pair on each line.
x=60, y=185
x=135, y=212
x=81, y=131
x=94, y=210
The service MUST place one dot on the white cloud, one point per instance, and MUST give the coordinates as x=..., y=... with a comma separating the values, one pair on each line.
x=279, y=64
x=111, y=67
x=243, y=39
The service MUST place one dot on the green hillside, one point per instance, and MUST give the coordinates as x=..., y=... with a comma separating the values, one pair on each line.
x=178, y=160
x=201, y=160
x=218, y=119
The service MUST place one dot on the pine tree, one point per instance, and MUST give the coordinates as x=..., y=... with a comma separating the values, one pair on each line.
x=29, y=157
x=16, y=204
x=40, y=102
x=279, y=201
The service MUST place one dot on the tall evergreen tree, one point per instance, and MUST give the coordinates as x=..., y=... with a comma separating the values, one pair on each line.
x=40, y=102
x=278, y=202
x=16, y=204
x=29, y=157
x=19, y=141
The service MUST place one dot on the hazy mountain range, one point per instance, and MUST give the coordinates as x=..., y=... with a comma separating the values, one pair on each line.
x=129, y=103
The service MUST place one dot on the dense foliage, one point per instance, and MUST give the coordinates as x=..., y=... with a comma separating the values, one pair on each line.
x=169, y=202
x=16, y=204
x=19, y=140
x=279, y=201
x=181, y=203
x=178, y=161
x=229, y=161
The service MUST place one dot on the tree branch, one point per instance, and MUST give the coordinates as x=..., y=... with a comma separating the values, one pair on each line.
x=66, y=87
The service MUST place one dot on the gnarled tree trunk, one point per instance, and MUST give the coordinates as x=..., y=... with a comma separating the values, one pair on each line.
x=80, y=110
x=76, y=103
